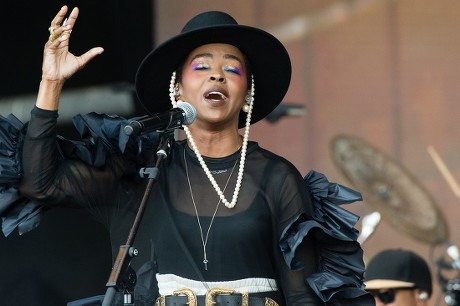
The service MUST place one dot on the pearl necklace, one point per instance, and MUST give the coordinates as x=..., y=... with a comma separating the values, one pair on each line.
x=250, y=100
x=204, y=240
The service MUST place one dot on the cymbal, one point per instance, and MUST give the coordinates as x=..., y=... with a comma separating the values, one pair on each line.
x=390, y=189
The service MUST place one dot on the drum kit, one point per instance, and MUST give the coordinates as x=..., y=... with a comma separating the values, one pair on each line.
x=396, y=196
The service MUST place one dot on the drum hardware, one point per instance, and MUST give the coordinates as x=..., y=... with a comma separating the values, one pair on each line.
x=389, y=189
x=394, y=193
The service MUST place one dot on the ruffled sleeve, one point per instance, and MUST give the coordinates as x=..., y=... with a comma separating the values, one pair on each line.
x=103, y=134
x=100, y=135
x=16, y=211
x=339, y=280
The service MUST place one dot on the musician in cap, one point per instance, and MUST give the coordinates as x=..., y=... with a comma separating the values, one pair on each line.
x=398, y=277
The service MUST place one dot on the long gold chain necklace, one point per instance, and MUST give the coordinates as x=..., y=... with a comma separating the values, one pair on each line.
x=204, y=239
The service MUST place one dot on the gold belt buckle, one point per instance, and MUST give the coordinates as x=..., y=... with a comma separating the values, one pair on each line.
x=161, y=301
x=270, y=302
x=191, y=297
x=213, y=292
x=210, y=299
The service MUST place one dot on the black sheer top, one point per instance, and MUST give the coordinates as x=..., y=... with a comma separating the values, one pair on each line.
x=242, y=242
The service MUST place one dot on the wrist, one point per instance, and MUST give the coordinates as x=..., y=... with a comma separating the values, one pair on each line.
x=48, y=94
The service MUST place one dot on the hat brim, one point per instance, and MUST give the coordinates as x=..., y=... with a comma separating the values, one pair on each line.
x=377, y=284
x=268, y=58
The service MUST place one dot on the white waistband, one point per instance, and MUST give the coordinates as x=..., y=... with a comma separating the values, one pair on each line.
x=167, y=283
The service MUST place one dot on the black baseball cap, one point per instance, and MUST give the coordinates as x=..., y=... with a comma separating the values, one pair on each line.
x=398, y=268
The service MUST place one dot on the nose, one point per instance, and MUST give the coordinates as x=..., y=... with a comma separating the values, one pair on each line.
x=217, y=77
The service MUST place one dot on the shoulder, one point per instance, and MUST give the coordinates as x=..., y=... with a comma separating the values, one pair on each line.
x=274, y=162
x=276, y=173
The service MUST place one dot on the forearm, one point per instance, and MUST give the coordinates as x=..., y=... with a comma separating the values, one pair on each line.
x=39, y=154
x=55, y=179
x=297, y=290
x=48, y=94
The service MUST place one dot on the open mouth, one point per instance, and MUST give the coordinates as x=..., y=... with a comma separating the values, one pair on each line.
x=215, y=95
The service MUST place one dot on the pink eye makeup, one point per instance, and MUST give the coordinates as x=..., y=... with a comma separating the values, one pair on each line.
x=234, y=69
x=230, y=63
x=200, y=65
x=228, y=68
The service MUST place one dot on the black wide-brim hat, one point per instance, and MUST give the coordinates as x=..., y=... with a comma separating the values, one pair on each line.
x=268, y=60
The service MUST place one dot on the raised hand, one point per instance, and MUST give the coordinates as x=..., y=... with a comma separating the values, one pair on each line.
x=58, y=63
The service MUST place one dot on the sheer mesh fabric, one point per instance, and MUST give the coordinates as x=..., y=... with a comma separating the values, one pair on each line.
x=243, y=241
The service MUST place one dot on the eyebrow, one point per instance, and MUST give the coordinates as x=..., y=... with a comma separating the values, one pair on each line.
x=226, y=56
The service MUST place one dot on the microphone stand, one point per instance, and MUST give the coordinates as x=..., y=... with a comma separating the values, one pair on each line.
x=123, y=277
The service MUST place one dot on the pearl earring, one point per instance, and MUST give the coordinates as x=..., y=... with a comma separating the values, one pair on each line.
x=172, y=89
x=249, y=99
x=176, y=91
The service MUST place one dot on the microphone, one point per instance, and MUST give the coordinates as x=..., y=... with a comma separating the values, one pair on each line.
x=183, y=114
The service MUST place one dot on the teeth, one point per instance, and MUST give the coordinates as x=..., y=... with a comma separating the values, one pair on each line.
x=215, y=93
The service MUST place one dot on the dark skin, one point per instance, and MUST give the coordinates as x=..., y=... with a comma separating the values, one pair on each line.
x=214, y=81
x=58, y=63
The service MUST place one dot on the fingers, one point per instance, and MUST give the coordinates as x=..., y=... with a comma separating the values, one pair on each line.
x=73, y=17
x=61, y=27
x=57, y=20
x=58, y=62
x=89, y=55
